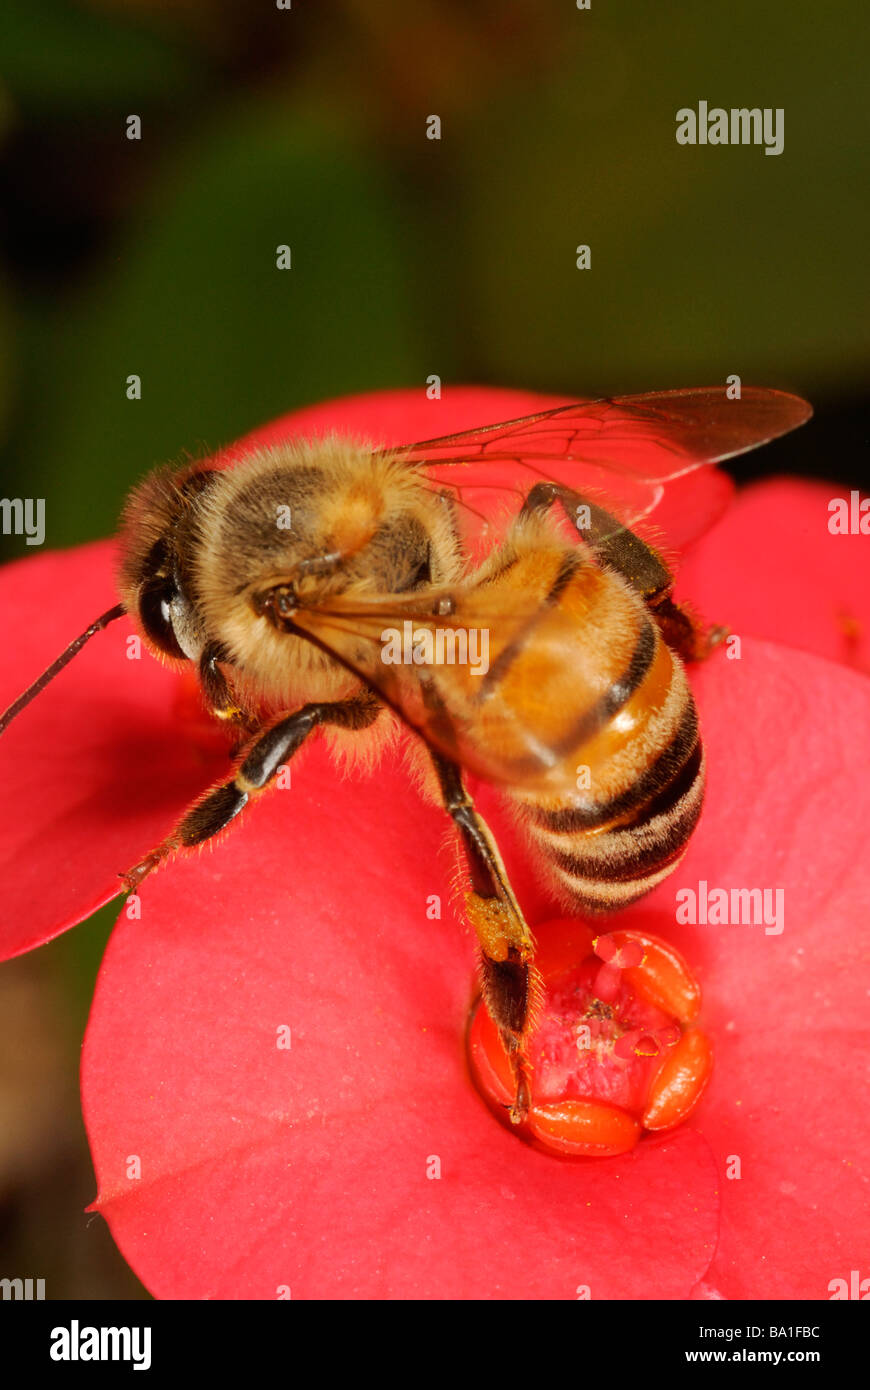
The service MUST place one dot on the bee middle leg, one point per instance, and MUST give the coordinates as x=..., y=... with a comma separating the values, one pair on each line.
x=270, y=749
x=618, y=547
x=510, y=982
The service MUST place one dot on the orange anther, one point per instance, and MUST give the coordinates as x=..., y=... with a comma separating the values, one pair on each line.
x=679, y=1084
x=663, y=978
x=490, y=1063
x=584, y=1127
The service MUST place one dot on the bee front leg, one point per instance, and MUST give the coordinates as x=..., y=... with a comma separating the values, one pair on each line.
x=511, y=984
x=270, y=750
x=218, y=692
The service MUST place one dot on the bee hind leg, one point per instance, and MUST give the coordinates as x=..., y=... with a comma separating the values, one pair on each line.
x=510, y=982
x=509, y=988
x=683, y=631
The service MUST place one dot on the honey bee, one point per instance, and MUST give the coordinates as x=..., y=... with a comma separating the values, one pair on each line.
x=331, y=584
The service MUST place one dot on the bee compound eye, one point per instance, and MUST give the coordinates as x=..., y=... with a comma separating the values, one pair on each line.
x=155, y=613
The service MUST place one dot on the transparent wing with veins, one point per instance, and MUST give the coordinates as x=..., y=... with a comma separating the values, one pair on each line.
x=629, y=454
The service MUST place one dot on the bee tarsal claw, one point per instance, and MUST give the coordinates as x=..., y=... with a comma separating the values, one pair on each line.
x=134, y=877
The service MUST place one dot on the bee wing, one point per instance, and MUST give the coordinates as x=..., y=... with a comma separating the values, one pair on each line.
x=443, y=692
x=628, y=453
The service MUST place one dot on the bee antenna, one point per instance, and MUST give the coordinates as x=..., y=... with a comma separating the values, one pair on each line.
x=56, y=666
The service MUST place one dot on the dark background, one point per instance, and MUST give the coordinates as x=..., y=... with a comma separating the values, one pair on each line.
x=410, y=257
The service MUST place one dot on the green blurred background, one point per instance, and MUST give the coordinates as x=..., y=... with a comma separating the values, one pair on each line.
x=411, y=256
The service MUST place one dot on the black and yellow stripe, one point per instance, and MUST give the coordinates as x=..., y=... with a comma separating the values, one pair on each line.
x=633, y=725
x=607, y=847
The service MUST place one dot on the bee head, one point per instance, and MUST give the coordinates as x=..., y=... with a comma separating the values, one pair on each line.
x=154, y=545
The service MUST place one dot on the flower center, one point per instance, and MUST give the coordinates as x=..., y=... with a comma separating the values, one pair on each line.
x=594, y=1048
x=611, y=1051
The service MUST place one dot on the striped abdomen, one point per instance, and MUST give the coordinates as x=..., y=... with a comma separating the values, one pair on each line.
x=627, y=737
x=612, y=848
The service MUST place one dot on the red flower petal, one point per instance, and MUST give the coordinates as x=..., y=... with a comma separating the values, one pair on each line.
x=771, y=568
x=96, y=768
x=307, y=1167
x=788, y=804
